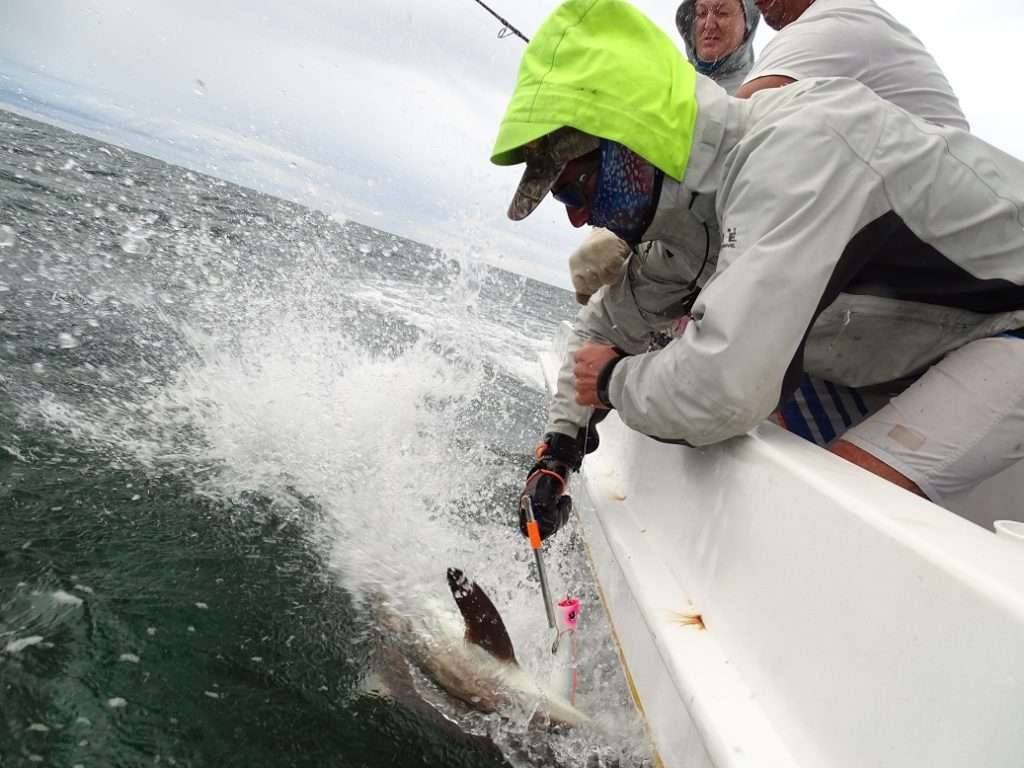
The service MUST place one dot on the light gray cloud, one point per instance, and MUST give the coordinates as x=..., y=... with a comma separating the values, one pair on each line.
x=381, y=111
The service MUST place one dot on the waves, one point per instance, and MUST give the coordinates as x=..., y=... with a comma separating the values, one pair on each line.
x=253, y=371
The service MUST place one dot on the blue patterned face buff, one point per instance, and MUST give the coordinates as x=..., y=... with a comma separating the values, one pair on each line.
x=627, y=192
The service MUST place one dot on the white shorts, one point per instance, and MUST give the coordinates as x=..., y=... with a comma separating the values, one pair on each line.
x=960, y=423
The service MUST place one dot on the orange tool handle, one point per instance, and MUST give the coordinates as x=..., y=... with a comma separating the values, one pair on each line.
x=533, y=531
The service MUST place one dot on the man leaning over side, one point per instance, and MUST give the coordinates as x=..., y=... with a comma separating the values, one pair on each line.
x=863, y=246
x=817, y=38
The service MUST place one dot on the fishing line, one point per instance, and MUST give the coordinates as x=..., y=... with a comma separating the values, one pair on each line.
x=507, y=29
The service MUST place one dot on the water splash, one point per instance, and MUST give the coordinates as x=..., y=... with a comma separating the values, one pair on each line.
x=375, y=393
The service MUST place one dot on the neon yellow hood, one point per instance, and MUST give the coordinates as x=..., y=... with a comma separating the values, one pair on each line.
x=604, y=68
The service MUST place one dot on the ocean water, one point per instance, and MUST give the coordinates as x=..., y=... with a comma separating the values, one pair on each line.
x=230, y=429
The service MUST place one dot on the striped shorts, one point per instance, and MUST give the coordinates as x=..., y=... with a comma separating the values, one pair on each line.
x=959, y=423
x=820, y=411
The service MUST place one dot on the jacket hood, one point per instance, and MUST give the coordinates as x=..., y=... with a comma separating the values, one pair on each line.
x=604, y=68
x=740, y=59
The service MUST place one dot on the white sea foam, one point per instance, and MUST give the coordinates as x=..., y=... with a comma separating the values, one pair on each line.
x=66, y=598
x=14, y=452
x=17, y=646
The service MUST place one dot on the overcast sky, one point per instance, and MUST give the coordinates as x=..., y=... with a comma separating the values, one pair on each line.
x=379, y=111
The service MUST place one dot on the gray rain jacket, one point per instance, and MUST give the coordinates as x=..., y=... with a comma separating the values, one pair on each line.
x=731, y=71
x=860, y=244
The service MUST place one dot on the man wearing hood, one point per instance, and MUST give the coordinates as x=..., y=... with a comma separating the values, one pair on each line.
x=729, y=69
x=599, y=260
x=861, y=244
x=817, y=38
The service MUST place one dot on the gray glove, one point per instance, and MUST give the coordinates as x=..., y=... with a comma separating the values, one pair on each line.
x=597, y=261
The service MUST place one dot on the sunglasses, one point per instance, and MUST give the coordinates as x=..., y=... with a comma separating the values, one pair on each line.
x=571, y=186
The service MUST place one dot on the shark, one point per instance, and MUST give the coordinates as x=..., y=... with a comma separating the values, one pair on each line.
x=470, y=657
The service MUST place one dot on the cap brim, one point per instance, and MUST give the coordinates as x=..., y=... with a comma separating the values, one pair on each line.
x=549, y=157
x=533, y=186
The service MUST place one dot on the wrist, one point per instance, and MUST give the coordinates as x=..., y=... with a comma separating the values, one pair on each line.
x=558, y=449
x=552, y=469
x=604, y=379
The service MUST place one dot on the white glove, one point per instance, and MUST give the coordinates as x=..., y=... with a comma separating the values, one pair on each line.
x=597, y=261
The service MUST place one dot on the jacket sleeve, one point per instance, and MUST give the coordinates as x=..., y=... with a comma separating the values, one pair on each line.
x=788, y=209
x=565, y=415
x=623, y=314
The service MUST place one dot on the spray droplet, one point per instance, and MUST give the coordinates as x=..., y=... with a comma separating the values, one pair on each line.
x=7, y=236
x=67, y=341
x=134, y=242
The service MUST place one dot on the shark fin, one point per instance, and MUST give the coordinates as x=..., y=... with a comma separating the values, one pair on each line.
x=484, y=626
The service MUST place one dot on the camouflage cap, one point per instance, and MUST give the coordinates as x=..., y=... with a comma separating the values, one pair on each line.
x=546, y=158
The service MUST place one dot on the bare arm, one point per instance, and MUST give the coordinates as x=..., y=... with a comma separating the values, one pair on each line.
x=762, y=83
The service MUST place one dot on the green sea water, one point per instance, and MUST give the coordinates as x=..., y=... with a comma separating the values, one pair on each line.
x=228, y=425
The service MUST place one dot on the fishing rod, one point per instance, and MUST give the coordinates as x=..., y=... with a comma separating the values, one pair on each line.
x=507, y=29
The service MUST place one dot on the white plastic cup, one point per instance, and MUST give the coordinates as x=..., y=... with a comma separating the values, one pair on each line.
x=1010, y=530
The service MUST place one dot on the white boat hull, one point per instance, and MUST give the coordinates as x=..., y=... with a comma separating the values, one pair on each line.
x=842, y=621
